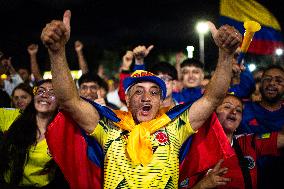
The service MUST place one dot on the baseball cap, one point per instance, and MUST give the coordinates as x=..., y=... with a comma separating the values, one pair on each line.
x=142, y=75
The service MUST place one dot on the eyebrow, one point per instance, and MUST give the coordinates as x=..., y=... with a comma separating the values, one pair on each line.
x=45, y=88
x=232, y=104
x=89, y=84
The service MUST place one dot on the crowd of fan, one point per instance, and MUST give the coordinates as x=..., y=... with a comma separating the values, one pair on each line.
x=258, y=95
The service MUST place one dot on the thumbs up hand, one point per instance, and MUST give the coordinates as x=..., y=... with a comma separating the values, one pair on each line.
x=100, y=100
x=227, y=38
x=56, y=34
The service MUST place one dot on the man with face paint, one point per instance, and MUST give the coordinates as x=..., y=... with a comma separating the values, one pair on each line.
x=142, y=146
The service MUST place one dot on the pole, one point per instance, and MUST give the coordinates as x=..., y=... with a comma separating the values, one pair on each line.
x=201, y=47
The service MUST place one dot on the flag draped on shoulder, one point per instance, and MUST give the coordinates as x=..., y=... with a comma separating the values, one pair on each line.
x=235, y=13
x=207, y=147
x=68, y=147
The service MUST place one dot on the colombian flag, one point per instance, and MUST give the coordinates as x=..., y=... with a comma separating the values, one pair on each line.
x=265, y=41
x=69, y=147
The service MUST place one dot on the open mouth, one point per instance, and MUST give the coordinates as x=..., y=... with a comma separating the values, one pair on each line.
x=271, y=90
x=43, y=102
x=146, y=109
x=231, y=118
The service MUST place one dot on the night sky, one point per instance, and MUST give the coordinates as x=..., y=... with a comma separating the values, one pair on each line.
x=109, y=28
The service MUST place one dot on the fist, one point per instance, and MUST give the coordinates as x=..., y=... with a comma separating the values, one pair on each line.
x=78, y=46
x=127, y=60
x=32, y=49
x=141, y=52
x=227, y=38
x=56, y=34
x=6, y=62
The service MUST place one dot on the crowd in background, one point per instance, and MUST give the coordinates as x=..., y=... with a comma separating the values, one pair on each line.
x=254, y=106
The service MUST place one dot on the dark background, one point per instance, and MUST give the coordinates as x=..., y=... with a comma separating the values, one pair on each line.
x=109, y=28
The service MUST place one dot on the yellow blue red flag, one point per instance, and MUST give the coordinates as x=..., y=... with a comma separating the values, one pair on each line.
x=265, y=41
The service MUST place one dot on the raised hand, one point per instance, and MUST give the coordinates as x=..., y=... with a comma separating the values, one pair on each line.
x=227, y=38
x=127, y=60
x=56, y=34
x=78, y=46
x=180, y=56
x=7, y=62
x=100, y=100
x=32, y=49
x=237, y=69
x=140, y=52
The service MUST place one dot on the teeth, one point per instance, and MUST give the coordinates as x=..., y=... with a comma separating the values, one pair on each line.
x=43, y=102
x=271, y=89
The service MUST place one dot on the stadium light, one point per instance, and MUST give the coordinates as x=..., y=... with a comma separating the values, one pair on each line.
x=190, y=50
x=202, y=29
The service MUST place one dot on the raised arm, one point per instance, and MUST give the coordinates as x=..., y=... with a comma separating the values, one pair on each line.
x=7, y=64
x=227, y=38
x=280, y=138
x=179, y=58
x=54, y=36
x=124, y=72
x=81, y=59
x=32, y=50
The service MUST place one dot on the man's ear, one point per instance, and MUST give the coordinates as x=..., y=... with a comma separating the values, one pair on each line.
x=127, y=99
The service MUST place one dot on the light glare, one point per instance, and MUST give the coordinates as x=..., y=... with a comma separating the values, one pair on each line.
x=251, y=67
x=190, y=50
x=279, y=52
x=202, y=27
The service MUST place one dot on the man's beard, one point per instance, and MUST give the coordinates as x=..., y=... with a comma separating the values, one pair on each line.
x=270, y=100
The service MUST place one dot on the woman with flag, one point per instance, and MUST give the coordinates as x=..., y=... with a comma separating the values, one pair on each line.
x=240, y=169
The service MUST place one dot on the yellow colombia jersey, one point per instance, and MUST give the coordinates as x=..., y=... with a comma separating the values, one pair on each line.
x=161, y=172
x=35, y=171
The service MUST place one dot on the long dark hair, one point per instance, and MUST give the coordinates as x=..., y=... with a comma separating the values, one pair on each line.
x=17, y=141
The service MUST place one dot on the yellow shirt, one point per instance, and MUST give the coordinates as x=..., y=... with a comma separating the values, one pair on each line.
x=161, y=172
x=7, y=116
x=35, y=172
